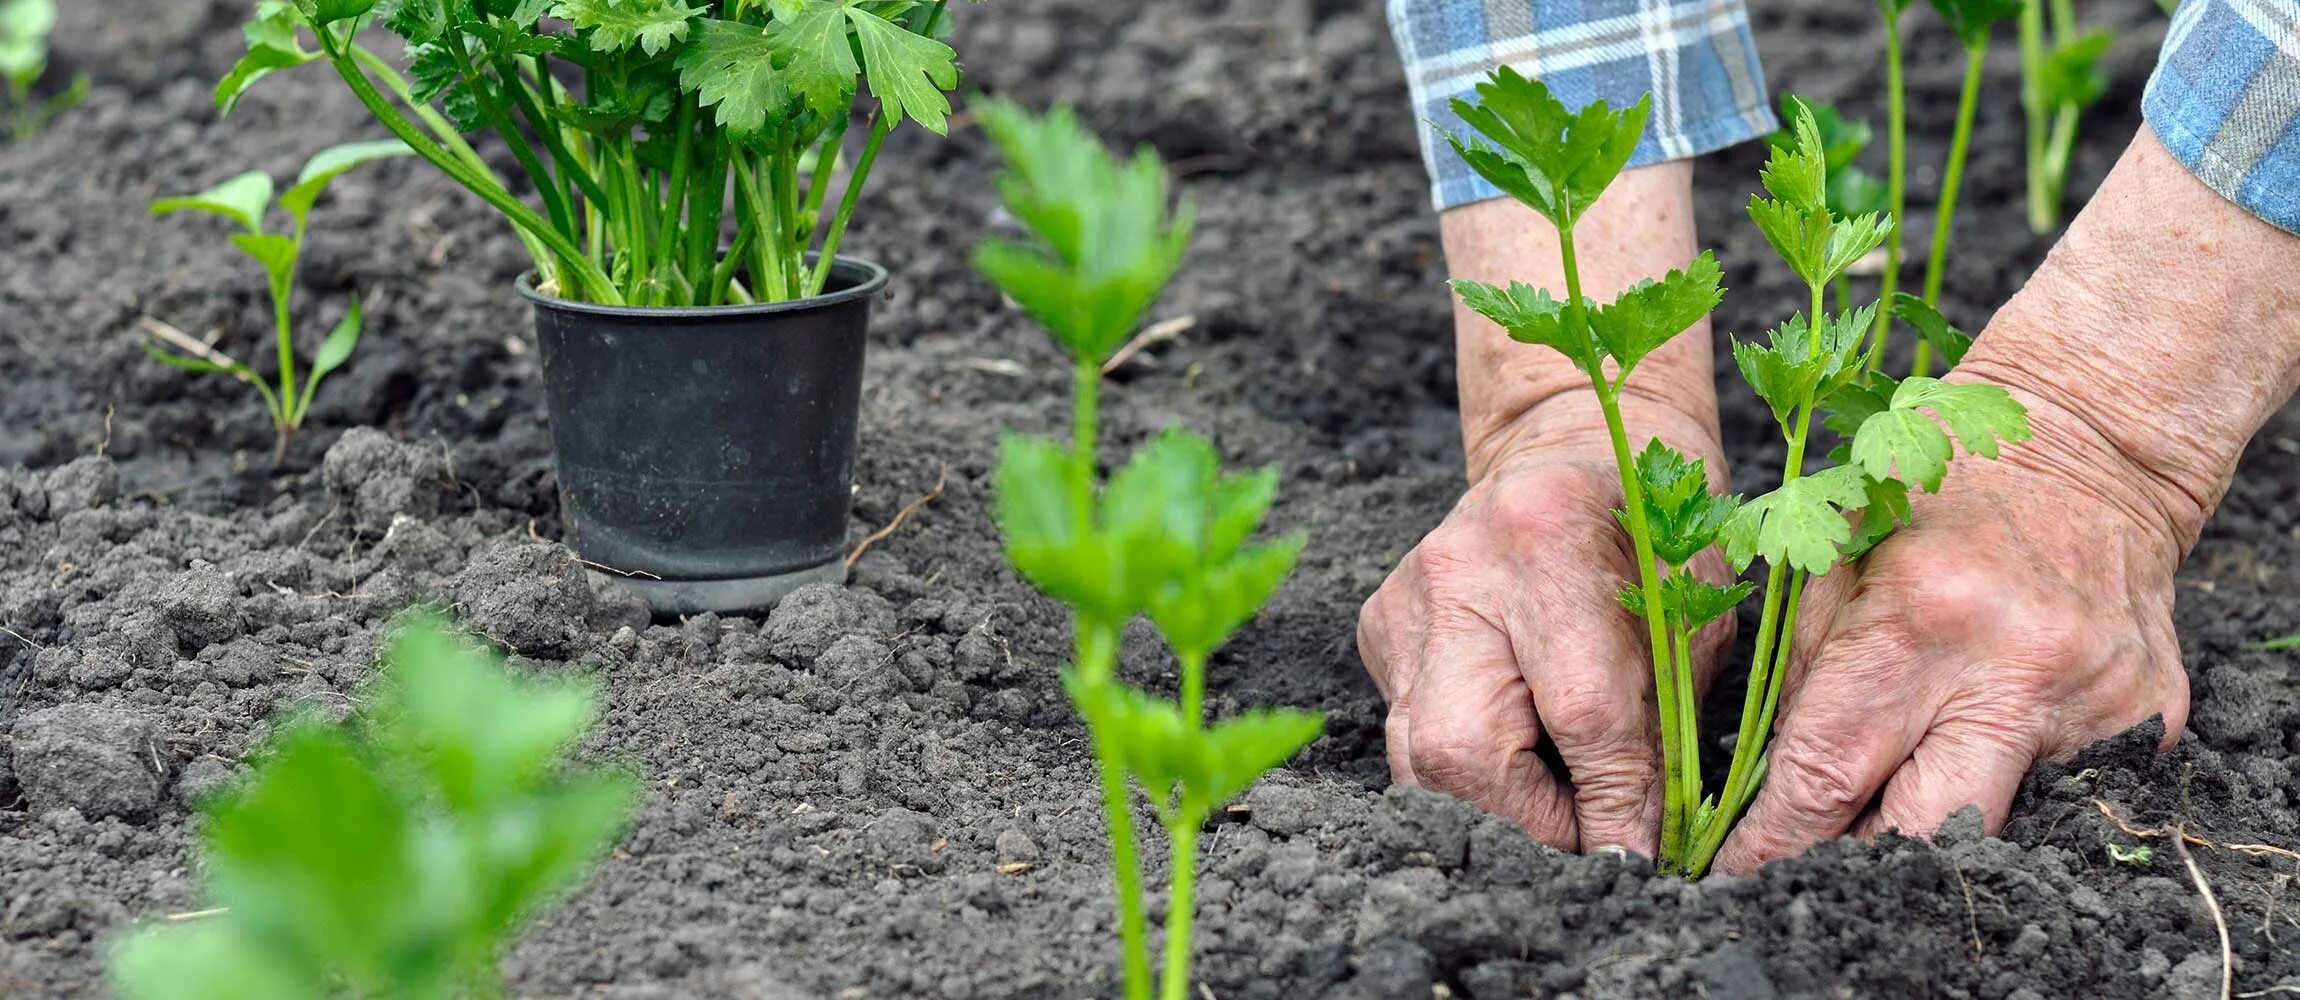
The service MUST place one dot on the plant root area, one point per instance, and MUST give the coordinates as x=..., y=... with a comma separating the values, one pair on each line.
x=878, y=790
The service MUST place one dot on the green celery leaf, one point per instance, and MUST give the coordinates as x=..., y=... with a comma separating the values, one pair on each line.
x=417, y=21
x=329, y=164
x=1157, y=510
x=433, y=75
x=197, y=366
x=1856, y=401
x=909, y=73
x=1682, y=517
x=325, y=12
x=1530, y=316
x=25, y=26
x=615, y=25
x=1240, y=501
x=730, y=66
x=1650, y=313
x=481, y=734
x=1554, y=160
x=272, y=45
x=1970, y=20
x=1854, y=191
x=1906, y=443
x=1948, y=341
x=1106, y=243
x=813, y=49
x=2071, y=73
x=1850, y=240
x=1801, y=524
x=1797, y=171
x=1688, y=602
x=313, y=856
x=1205, y=607
x=276, y=253
x=1041, y=516
x=1887, y=510
x=1802, y=236
x=207, y=961
x=242, y=199
x=1841, y=138
x=1236, y=752
x=545, y=842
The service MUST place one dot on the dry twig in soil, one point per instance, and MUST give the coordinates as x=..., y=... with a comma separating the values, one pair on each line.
x=882, y=534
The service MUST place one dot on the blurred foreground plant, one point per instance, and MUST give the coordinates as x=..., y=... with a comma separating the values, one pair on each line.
x=1166, y=537
x=396, y=855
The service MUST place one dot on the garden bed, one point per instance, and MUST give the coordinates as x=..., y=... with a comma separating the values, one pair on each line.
x=879, y=790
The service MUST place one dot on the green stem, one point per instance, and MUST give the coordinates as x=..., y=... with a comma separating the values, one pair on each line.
x=1673, y=739
x=1749, y=767
x=546, y=186
x=283, y=292
x=1896, y=179
x=1097, y=660
x=2043, y=210
x=1960, y=143
x=838, y=231
x=1688, y=727
x=1086, y=385
x=587, y=279
x=1174, y=983
x=1193, y=686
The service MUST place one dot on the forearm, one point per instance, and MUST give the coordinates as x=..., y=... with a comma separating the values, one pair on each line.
x=2159, y=335
x=1514, y=397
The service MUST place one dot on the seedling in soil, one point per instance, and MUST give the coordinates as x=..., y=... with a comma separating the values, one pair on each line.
x=398, y=854
x=1971, y=21
x=2142, y=856
x=2060, y=78
x=681, y=106
x=1168, y=536
x=24, y=29
x=246, y=200
x=1558, y=161
x=2288, y=642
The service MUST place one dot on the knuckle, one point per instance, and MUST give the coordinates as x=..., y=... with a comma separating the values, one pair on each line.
x=1819, y=776
x=1583, y=712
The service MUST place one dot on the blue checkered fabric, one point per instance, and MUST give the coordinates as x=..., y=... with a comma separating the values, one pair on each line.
x=2226, y=100
x=1694, y=56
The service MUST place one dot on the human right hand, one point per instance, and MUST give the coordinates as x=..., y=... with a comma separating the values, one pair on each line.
x=1502, y=629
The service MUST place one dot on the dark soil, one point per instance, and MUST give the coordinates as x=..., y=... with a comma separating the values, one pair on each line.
x=834, y=787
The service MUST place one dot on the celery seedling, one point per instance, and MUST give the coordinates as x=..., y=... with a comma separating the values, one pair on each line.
x=1814, y=363
x=2060, y=78
x=24, y=29
x=1971, y=21
x=396, y=855
x=1166, y=537
x=683, y=109
x=1557, y=162
x=246, y=199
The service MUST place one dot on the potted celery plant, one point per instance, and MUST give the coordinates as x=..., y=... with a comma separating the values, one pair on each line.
x=702, y=390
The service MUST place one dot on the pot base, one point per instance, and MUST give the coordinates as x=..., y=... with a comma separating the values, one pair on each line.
x=693, y=597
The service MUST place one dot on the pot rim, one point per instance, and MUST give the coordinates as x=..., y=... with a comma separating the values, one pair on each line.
x=873, y=280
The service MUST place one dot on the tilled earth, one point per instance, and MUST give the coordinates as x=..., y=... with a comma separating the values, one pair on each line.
x=835, y=788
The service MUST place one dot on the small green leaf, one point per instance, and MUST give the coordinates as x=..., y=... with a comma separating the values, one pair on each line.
x=208, y=961
x=1689, y=602
x=1682, y=517
x=730, y=66
x=272, y=46
x=812, y=45
x=1852, y=239
x=615, y=25
x=1948, y=341
x=1856, y=401
x=1970, y=20
x=325, y=12
x=908, y=72
x=1650, y=313
x=333, y=352
x=24, y=29
x=1041, y=512
x=185, y=362
x=1887, y=510
x=1200, y=613
x=1797, y=171
x=417, y=21
x=1801, y=524
x=1530, y=316
x=1554, y=160
x=1105, y=241
x=2071, y=75
x=329, y=164
x=2271, y=645
x=1801, y=236
x=241, y=199
x=1794, y=365
x=275, y=252
x=1906, y=443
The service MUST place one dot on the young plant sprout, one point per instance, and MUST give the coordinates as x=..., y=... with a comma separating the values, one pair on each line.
x=1558, y=162
x=24, y=29
x=1167, y=537
x=246, y=199
x=680, y=105
x=1971, y=21
x=396, y=855
x=2060, y=78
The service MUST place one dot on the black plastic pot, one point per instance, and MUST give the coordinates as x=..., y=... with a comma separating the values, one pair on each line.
x=706, y=455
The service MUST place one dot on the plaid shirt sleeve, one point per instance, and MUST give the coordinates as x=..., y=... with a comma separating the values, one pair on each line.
x=2226, y=100
x=1695, y=56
